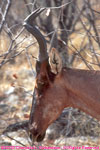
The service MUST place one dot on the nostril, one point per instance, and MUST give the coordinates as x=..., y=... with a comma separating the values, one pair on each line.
x=35, y=133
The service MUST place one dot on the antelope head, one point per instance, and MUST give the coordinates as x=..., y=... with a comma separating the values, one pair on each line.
x=57, y=87
x=43, y=111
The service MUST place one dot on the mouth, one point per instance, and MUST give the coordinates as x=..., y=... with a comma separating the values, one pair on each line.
x=38, y=138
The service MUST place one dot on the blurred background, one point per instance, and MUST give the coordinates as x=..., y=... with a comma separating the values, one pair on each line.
x=73, y=28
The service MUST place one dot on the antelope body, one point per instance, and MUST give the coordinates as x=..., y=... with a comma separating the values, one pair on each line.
x=53, y=92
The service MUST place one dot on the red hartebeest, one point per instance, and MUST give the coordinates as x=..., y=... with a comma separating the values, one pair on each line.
x=55, y=91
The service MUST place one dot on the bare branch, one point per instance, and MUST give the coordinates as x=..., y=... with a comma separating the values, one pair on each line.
x=4, y=15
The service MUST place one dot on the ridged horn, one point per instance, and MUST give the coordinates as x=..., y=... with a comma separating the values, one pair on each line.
x=31, y=28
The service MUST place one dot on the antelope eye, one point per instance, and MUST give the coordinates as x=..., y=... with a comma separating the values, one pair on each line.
x=40, y=84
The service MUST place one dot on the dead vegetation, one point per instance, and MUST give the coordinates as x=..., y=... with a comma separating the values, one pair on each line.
x=17, y=77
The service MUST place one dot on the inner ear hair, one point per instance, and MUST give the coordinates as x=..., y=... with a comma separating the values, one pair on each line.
x=55, y=61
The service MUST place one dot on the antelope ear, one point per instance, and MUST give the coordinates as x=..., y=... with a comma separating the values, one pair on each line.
x=55, y=61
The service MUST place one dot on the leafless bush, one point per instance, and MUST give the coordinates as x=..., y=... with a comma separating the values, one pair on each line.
x=62, y=21
x=71, y=26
